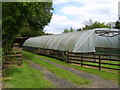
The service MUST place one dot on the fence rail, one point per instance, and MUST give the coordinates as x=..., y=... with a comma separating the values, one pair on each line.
x=95, y=60
x=102, y=58
x=14, y=57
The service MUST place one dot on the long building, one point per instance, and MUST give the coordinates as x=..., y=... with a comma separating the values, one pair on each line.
x=80, y=42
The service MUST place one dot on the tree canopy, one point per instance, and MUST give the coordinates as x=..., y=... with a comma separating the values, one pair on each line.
x=20, y=15
x=68, y=30
x=117, y=25
x=91, y=25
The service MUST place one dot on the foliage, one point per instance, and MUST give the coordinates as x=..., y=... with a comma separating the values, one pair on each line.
x=79, y=29
x=68, y=30
x=92, y=25
x=28, y=32
x=25, y=77
x=117, y=25
x=49, y=34
x=1, y=54
x=17, y=15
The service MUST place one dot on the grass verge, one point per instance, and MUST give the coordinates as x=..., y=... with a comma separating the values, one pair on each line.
x=102, y=74
x=62, y=73
x=25, y=77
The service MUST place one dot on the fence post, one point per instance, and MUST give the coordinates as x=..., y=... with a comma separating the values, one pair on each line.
x=99, y=62
x=94, y=57
x=68, y=56
x=81, y=60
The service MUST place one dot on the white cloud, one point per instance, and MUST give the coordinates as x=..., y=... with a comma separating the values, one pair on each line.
x=106, y=10
x=90, y=10
x=97, y=10
x=59, y=1
x=84, y=1
x=58, y=18
x=58, y=23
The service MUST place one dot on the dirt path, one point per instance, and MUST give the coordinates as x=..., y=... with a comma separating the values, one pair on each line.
x=98, y=81
x=58, y=82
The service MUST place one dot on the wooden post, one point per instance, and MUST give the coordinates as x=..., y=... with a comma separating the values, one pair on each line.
x=99, y=63
x=22, y=42
x=81, y=60
x=68, y=56
x=94, y=57
x=21, y=59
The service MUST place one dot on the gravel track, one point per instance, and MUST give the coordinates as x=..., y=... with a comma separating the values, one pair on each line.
x=58, y=82
x=98, y=81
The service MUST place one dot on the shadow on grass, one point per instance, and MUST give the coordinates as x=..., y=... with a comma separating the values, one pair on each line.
x=11, y=71
x=28, y=55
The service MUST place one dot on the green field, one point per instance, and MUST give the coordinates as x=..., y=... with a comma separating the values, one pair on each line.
x=62, y=73
x=103, y=74
x=25, y=77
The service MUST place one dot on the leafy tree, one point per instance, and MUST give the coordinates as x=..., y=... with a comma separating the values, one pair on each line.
x=28, y=32
x=79, y=29
x=92, y=25
x=68, y=30
x=18, y=15
x=71, y=29
x=89, y=22
x=117, y=25
x=49, y=34
x=65, y=31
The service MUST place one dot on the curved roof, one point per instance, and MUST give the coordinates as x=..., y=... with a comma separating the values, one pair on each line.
x=81, y=41
x=108, y=38
x=107, y=42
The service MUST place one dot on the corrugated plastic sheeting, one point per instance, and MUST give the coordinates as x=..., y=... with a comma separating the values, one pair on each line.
x=109, y=42
x=86, y=43
x=82, y=41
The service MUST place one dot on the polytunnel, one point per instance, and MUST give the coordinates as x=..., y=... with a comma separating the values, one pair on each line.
x=81, y=41
x=107, y=38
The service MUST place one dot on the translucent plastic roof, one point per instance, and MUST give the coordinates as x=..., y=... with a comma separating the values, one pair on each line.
x=110, y=38
x=108, y=29
x=81, y=41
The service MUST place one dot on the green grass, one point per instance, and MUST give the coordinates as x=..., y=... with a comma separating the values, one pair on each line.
x=25, y=77
x=104, y=65
x=111, y=66
x=102, y=74
x=62, y=73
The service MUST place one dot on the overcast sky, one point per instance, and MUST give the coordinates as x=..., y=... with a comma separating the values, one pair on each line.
x=73, y=13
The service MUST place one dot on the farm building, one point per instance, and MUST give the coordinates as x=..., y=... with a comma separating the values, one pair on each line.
x=82, y=41
x=82, y=47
